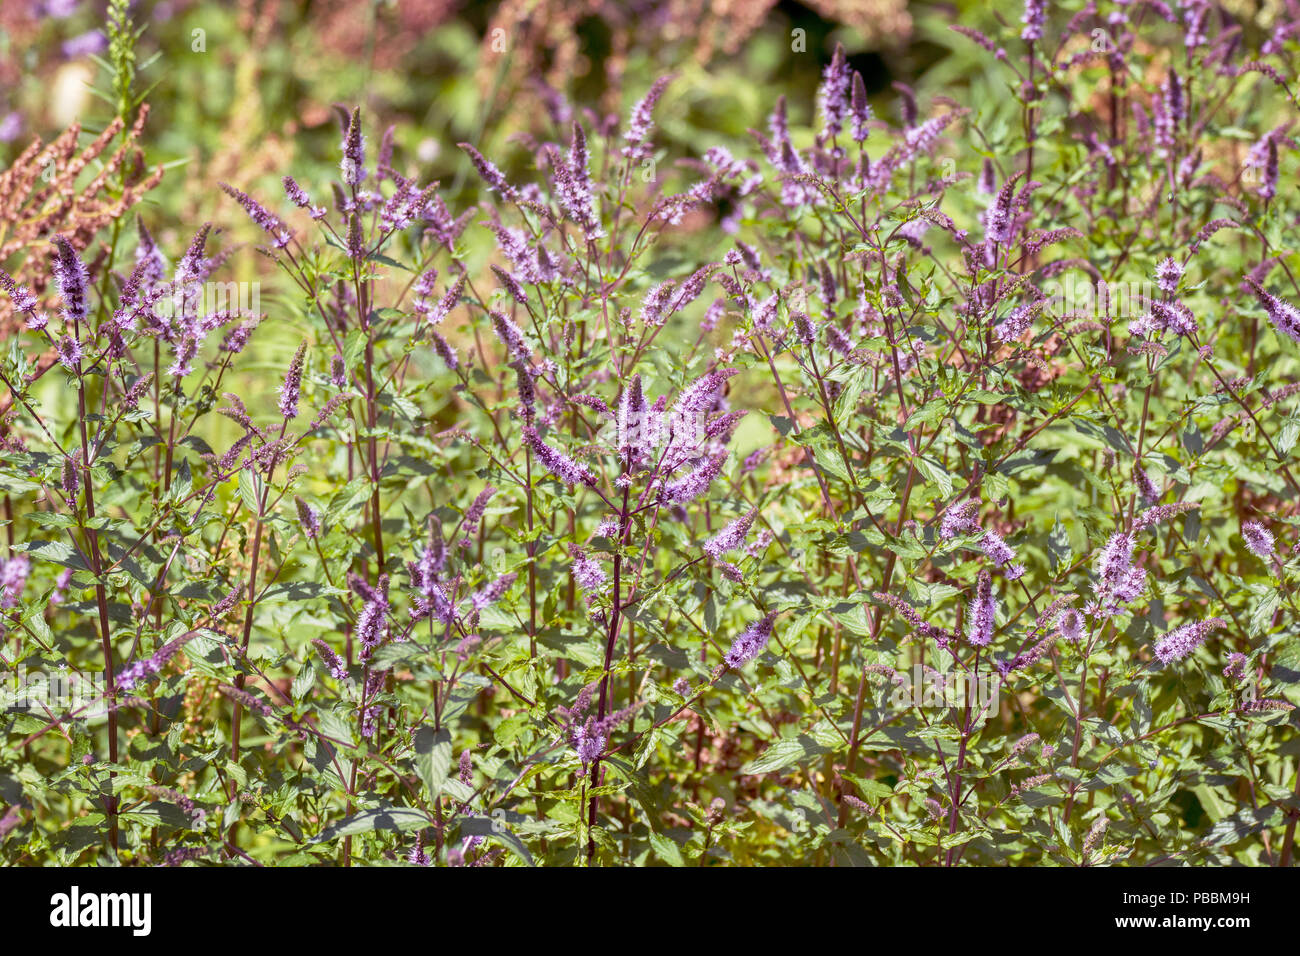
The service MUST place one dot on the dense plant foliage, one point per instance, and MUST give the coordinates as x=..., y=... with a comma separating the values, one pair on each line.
x=909, y=483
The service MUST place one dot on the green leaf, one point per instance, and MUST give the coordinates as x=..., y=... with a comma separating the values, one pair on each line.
x=782, y=754
x=1240, y=825
x=1261, y=615
x=1059, y=552
x=666, y=849
x=433, y=758
x=303, y=682
x=182, y=482
x=934, y=472
x=384, y=817
x=248, y=490
x=496, y=830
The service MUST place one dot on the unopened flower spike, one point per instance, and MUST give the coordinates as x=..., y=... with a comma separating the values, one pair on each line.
x=353, y=164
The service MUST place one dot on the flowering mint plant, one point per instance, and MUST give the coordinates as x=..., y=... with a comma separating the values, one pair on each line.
x=909, y=481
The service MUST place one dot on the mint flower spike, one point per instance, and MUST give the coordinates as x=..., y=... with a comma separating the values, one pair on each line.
x=512, y=337
x=587, y=572
x=983, y=612
x=1170, y=111
x=24, y=302
x=732, y=536
x=1182, y=641
x=262, y=217
x=511, y=284
x=372, y=620
x=696, y=482
x=1001, y=554
x=556, y=462
x=961, y=518
x=13, y=579
x=353, y=164
x=1259, y=540
x=300, y=198
x=492, y=177
x=859, y=110
x=574, y=186
x=833, y=94
x=589, y=737
x=72, y=280
x=308, y=519
x=696, y=398
x=1168, y=274
x=1118, y=581
x=1000, y=219
x=640, y=426
x=750, y=642
x=1071, y=626
x=1034, y=19
x=1146, y=488
x=640, y=123
x=336, y=666
x=1268, y=184
x=1284, y=316
x=493, y=592
x=291, y=390
x=1160, y=513
x=139, y=671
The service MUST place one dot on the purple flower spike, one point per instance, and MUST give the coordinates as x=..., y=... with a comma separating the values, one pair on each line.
x=494, y=592
x=70, y=352
x=299, y=197
x=1259, y=540
x=1268, y=183
x=697, y=397
x=308, y=518
x=961, y=518
x=859, y=110
x=640, y=123
x=336, y=666
x=354, y=151
x=587, y=572
x=1147, y=489
x=750, y=642
x=511, y=285
x=73, y=281
x=1016, y=324
x=1236, y=666
x=1168, y=275
x=557, y=463
x=492, y=177
x=1001, y=554
x=833, y=94
x=573, y=179
x=262, y=217
x=1118, y=581
x=983, y=612
x=292, y=387
x=24, y=302
x=1071, y=626
x=372, y=621
x=731, y=537
x=13, y=579
x=1000, y=219
x=1034, y=19
x=1284, y=316
x=511, y=336
x=696, y=482
x=1180, y=642
x=139, y=671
